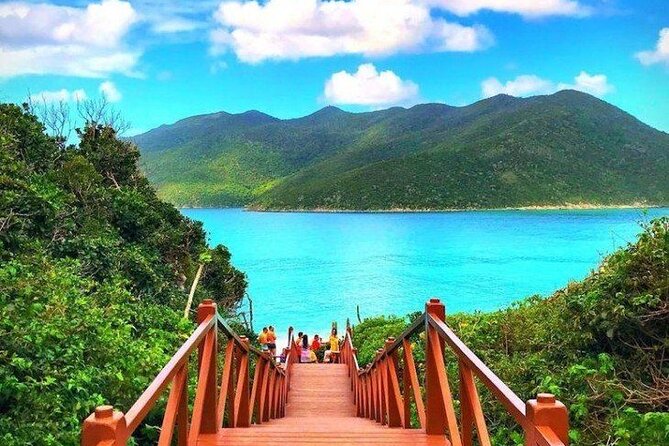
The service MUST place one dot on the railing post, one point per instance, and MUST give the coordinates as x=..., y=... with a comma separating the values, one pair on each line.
x=545, y=411
x=105, y=425
x=434, y=407
x=351, y=369
x=209, y=421
x=242, y=389
x=394, y=400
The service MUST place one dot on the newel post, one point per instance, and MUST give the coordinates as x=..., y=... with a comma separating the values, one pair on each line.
x=103, y=426
x=545, y=411
x=209, y=424
x=434, y=408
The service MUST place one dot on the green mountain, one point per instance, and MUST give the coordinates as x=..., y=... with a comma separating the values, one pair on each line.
x=564, y=148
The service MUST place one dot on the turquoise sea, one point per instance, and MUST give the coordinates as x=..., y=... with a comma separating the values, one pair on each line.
x=308, y=269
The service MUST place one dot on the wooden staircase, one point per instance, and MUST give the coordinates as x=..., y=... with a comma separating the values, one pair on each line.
x=320, y=411
x=388, y=402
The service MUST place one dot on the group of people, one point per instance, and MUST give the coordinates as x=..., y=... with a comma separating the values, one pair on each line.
x=306, y=351
x=267, y=340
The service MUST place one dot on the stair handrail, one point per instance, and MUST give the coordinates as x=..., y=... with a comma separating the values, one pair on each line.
x=377, y=394
x=232, y=404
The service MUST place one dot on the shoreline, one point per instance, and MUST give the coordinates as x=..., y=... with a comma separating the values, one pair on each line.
x=564, y=207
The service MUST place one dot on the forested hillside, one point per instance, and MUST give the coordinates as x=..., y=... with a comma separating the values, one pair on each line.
x=564, y=148
x=599, y=345
x=94, y=271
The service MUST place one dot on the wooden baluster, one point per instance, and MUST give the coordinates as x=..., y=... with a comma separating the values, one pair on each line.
x=226, y=379
x=104, y=426
x=182, y=414
x=383, y=370
x=242, y=389
x=368, y=397
x=270, y=395
x=280, y=403
x=354, y=372
x=406, y=401
x=380, y=385
x=205, y=418
x=545, y=412
x=470, y=409
x=395, y=403
x=256, y=399
x=262, y=413
x=440, y=411
x=276, y=395
x=375, y=394
x=412, y=376
x=174, y=408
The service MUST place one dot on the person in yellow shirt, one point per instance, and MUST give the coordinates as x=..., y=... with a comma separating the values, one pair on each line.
x=262, y=339
x=334, y=345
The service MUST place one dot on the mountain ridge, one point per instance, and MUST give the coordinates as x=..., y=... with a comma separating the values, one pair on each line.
x=568, y=147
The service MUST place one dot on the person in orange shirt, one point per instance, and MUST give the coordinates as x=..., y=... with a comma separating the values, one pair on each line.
x=315, y=345
x=271, y=341
x=262, y=339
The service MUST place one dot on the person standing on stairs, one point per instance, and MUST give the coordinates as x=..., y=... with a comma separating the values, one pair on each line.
x=298, y=345
x=315, y=346
x=334, y=346
x=305, y=354
x=262, y=339
x=271, y=342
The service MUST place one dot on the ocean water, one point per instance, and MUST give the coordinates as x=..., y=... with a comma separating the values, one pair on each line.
x=309, y=269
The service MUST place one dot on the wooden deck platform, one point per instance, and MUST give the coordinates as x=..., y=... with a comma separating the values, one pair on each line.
x=320, y=411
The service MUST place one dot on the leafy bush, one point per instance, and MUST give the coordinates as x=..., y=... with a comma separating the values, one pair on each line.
x=93, y=269
x=599, y=345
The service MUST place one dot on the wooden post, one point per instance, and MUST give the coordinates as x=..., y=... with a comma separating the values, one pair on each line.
x=434, y=407
x=546, y=412
x=105, y=426
x=257, y=402
x=205, y=417
x=353, y=372
x=394, y=398
x=242, y=389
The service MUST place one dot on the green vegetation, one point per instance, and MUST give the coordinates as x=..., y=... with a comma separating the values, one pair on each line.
x=600, y=345
x=92, y=274
x=565, y=148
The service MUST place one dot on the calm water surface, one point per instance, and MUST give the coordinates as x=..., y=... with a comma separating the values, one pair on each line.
x=308, y=269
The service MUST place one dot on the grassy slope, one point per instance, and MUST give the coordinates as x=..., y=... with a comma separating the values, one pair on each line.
x=503, y=151
x=600, y=345
x=561, y=149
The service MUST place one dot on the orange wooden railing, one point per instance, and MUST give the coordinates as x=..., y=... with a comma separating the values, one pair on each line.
x=234, y=403
x=378, y=395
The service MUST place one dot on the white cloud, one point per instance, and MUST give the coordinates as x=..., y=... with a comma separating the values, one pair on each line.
x=175, y=25
x=661, y=52
x=529, y=84
x=63, y=95
x=367, y=86
x=47, y=39
x=294, y=29
x=596, y=84
x=109, y=91
x=526, y=8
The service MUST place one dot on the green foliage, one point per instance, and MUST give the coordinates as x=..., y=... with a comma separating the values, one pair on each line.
x=92, y=275
x=372, y=333
x=566, y=148
x=599, y=345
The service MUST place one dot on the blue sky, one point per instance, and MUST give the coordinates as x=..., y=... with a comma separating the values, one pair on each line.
x=163, y=60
